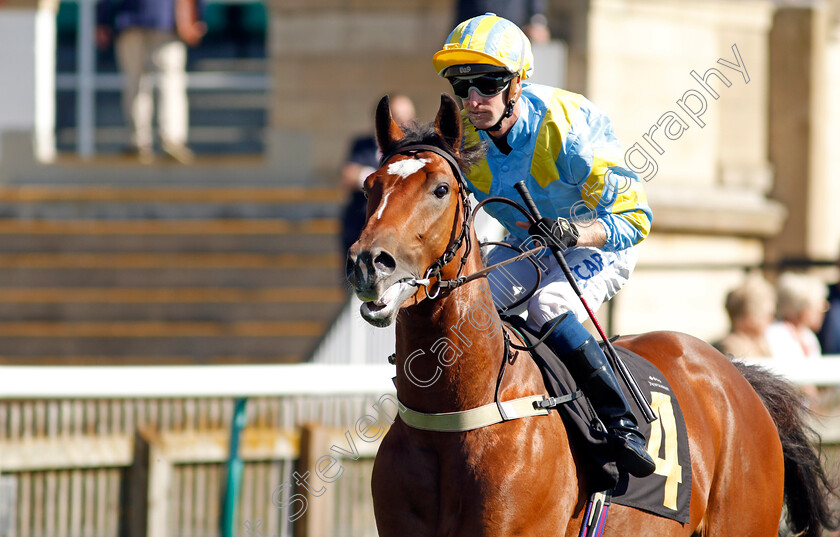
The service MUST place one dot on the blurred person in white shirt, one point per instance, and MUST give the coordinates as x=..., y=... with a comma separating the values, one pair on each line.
x=799, y=314
x=800, y=311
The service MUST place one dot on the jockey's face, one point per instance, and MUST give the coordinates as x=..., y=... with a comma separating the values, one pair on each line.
x=484, y=112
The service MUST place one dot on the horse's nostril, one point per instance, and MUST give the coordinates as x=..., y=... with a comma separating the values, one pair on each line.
x=384, y=263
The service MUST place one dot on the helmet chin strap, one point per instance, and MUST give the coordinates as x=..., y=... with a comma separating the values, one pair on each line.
x=508, y=112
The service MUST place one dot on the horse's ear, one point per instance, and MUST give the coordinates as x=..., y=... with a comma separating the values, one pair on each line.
x=448, y=122
x=387, y=130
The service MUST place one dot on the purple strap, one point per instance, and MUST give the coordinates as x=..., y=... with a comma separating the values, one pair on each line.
x=595, y=519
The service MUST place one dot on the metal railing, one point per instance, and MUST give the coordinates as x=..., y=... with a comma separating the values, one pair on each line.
x=86, y=81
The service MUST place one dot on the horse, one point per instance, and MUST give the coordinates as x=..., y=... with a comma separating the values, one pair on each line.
x=750, y=450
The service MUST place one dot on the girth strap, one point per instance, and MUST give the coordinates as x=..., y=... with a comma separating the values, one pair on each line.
x=475, y=418
x=554, y=402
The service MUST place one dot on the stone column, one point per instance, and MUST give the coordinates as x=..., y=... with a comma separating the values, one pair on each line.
x=685, y=83
x=797, y=129
x=27, y=95
x=829, y=244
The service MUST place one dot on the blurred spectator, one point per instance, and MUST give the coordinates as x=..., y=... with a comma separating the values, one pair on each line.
x=151, y=37
x=363, y=160
x=829, y=335
x=750, y=308
x=527, y=14
x=799, y=313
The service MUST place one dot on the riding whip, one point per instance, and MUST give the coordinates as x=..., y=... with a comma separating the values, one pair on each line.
x=616, y=361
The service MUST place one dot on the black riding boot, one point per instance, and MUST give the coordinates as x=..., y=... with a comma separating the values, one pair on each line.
x=594, y=375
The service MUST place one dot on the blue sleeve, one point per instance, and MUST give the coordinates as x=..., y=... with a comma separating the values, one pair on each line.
x=591, y=157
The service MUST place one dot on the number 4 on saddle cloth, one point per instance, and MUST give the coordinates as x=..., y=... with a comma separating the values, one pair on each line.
x=667, y=491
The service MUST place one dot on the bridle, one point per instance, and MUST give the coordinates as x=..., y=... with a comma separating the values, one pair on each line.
x=537, y=406
x=433, y=271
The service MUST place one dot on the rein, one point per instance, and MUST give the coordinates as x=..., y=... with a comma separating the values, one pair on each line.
x=458, y=282
x=433, y=270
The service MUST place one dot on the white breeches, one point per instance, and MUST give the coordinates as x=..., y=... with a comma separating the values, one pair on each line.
x=599, y=275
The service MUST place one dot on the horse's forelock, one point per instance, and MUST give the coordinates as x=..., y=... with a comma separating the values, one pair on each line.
x=424, y=134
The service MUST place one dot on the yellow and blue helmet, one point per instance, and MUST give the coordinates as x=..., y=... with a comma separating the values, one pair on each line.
x=487, y=40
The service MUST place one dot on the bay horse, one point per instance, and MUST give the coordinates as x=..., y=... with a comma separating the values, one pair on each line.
x=749, y=445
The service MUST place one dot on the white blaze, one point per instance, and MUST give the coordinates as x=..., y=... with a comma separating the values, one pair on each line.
x=405, y=168
x=382, y=205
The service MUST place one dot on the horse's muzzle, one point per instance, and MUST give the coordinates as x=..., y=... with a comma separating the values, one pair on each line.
x=368, y=270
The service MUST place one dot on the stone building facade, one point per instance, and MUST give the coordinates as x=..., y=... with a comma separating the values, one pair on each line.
x=724, y=105
x=729, y=109
x=685, y=83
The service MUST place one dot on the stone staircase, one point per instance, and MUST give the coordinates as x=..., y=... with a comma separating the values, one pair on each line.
x=99, y=274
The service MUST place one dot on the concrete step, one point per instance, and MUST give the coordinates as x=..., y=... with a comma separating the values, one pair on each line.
x=228, y=137
x=232, y=269
x=119, y=170
x=226, y=226
x=195, y=341
x=169, y=203
x=126, y=359
x=270, y=236
x=320, y=243
x=251, y=278
x=128, y=275
x=289, y=195
x=167, y=295
x=171, y=305
x=151, y=260
x=163, y=211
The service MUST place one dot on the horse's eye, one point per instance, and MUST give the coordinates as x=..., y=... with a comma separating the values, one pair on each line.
x=364, y=191
x=441, y=191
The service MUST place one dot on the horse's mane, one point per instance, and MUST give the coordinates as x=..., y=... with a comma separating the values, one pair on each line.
x=424, y=134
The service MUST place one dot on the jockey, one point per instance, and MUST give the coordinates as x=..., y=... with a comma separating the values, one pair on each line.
x=567, y=153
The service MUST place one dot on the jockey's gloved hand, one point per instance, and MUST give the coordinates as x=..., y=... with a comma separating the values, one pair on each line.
x=557, y=234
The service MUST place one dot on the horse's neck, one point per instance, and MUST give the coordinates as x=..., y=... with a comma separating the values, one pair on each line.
x=449, y=351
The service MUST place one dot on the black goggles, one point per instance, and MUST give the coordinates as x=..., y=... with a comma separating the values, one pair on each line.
x=486, y=85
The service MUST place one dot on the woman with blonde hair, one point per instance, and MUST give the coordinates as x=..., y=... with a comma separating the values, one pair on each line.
x=799, y=313
x=750, y=307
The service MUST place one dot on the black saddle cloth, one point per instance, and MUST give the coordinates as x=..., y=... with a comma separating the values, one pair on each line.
x=667, y=492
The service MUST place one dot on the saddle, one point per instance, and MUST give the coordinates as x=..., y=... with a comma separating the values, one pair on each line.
x=668, y=490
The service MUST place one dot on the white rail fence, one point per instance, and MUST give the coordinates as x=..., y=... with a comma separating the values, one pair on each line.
x=317, y=379
x=129, y=382
x=824, y=371
x=109, y=451
x=105, y=451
